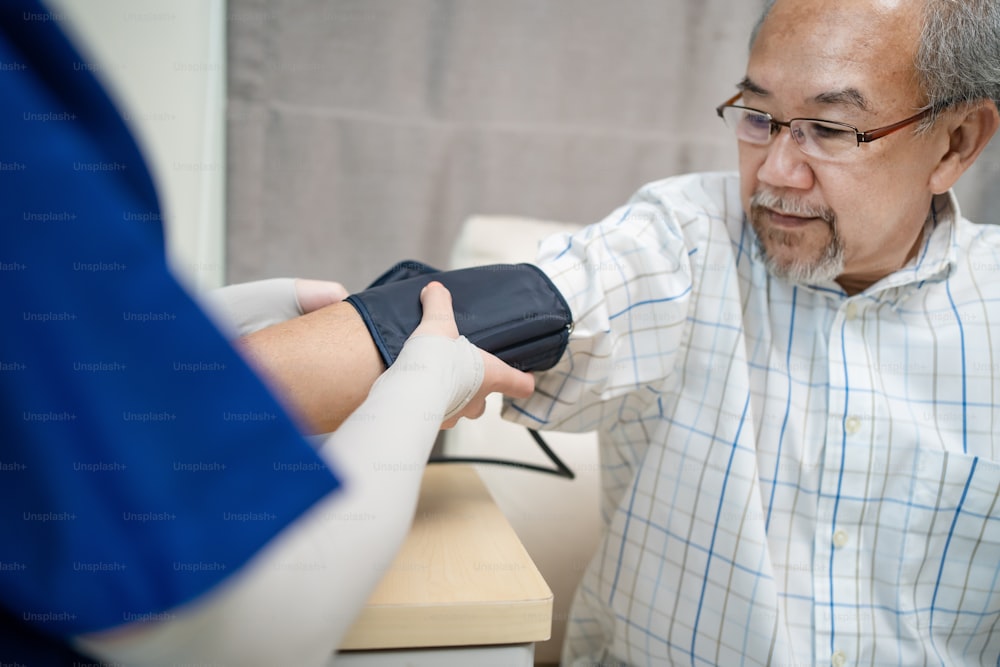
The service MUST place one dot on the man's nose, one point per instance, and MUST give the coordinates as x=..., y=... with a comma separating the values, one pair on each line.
x=785, y=165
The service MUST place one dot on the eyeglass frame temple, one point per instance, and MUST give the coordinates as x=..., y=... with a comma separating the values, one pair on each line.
x=878, y=133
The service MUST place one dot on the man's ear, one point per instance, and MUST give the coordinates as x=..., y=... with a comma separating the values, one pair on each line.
x=969, y=130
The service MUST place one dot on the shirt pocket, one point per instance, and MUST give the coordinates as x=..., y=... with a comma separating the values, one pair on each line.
x=949, y=578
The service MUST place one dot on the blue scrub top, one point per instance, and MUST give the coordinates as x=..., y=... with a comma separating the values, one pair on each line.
x=141, y=460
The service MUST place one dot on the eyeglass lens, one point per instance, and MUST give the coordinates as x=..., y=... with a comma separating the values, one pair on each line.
x=814, y=137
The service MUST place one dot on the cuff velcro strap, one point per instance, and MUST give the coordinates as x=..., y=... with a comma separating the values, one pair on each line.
x=510, y=310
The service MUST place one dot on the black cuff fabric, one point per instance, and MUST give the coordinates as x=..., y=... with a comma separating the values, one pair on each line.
x=510, y=310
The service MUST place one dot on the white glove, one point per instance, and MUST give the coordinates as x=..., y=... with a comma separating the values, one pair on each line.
x=243, y=308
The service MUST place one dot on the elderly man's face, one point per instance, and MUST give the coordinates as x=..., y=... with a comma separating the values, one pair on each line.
x=850, y=61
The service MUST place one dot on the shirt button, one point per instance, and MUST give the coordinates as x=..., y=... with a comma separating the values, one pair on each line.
x=852, y=425
x=838, y=659
x=850, y=311
x=840, y=538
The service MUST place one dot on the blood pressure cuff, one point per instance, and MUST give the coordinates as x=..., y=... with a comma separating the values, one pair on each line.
x=510, y=310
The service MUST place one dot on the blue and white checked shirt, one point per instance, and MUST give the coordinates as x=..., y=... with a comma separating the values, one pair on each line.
x=791, y=476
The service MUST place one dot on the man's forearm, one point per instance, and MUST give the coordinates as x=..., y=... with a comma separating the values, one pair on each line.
x=321, y=365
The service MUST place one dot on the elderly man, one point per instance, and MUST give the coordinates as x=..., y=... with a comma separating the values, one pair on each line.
x=792, y=370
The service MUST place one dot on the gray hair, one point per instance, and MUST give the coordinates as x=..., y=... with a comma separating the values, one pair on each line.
x=958, y=58
x=760, y=21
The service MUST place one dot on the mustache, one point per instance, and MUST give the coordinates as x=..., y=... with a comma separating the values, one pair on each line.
x=765, y=199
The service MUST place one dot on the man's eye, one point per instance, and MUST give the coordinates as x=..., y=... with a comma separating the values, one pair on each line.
x=830, y=132
x=757, y=120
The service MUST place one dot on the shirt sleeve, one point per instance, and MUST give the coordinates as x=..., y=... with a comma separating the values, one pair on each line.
x=628, y=282
x=142, y=461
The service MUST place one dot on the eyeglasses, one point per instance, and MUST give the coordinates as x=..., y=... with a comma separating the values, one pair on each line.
x=823, y=139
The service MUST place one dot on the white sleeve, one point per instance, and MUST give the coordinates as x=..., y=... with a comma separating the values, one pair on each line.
x=243, y=308
x=628, y=283
x=294, y=602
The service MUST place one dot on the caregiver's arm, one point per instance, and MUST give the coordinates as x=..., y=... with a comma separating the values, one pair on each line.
x=295, y=601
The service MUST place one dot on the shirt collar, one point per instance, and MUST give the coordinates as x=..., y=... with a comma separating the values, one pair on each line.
x=936, y=258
